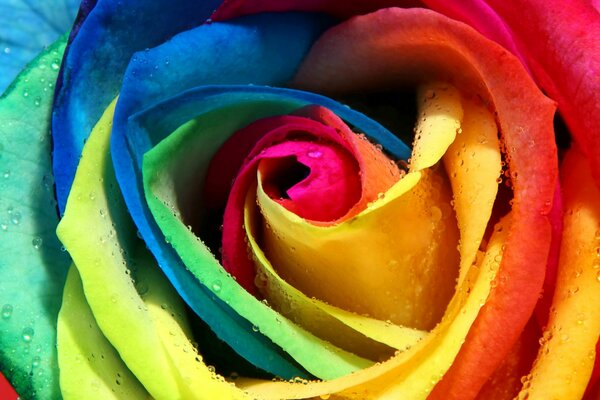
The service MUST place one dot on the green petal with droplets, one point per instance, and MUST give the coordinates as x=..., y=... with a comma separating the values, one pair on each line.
x=32, y=267
x=175, y=164
x=90, y=367
x=134, y=305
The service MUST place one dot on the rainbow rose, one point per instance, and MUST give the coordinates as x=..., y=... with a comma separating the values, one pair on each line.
x=305, y=199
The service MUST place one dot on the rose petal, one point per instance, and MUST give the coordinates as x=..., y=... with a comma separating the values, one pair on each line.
x=134, y=318
x=250, y=42
x=565, y=361
x=188, y=150
x=479, y=15
x=341, y=8
x=95, y=62
x=82, y=345
x=385, y=47
x=19, y=43
x=409, y=374
x=326, y=321
x=505, y=383
x=33, y=269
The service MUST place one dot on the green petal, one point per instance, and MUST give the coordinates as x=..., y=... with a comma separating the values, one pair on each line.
x=33, y=268
x=175, y=165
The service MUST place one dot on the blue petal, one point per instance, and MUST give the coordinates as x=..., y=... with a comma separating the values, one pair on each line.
x=26, y=27
x=96, y=60
x=263, y=49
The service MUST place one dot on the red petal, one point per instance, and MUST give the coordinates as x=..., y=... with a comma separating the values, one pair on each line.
x=6, y=390
x=340, y=8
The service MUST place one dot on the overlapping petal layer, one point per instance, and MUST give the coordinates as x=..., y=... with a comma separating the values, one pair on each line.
x=383, y=50
x=168, y=194
x=496, y=290
x=568, y=352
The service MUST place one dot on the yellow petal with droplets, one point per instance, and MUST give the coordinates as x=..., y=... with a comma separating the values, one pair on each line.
x=414, y=373
x=90, y=367
x=440, y=115
x=348, y=330
x=402, y=250
x=133, y=317
x=473, y=164
x=566, y=358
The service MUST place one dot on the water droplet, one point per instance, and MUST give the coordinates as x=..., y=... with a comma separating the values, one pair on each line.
x=25, y=93
x=55, y=64
x=7, y=50
x=216, y=286
x=92, y=195
x=325, y=396
x=15, y=218
x=37, y=242
x=255, y=328
x=6, y=174
x=7, y=311
x=315, y=154
x=381, y=196
x=27, y=334
x=47, y=181
x=141, y=287
x=211, y=369
x=36, y=361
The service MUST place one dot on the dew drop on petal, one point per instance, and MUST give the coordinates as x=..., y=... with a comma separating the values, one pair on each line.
x=37, y=242
x=27, y=334
x=7, y=311
x=15, y=218
x=36, y=361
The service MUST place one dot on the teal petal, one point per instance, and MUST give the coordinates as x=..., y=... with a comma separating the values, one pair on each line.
x=26, y=28
x=33, y=267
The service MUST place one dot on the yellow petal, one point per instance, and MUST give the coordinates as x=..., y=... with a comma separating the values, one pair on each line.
x=402, y=250
x=90, y=367
x=414, y=373
x=348, y=330
x=473, y=164
x=439, y=120
x=566, y=358
x=145, y=322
